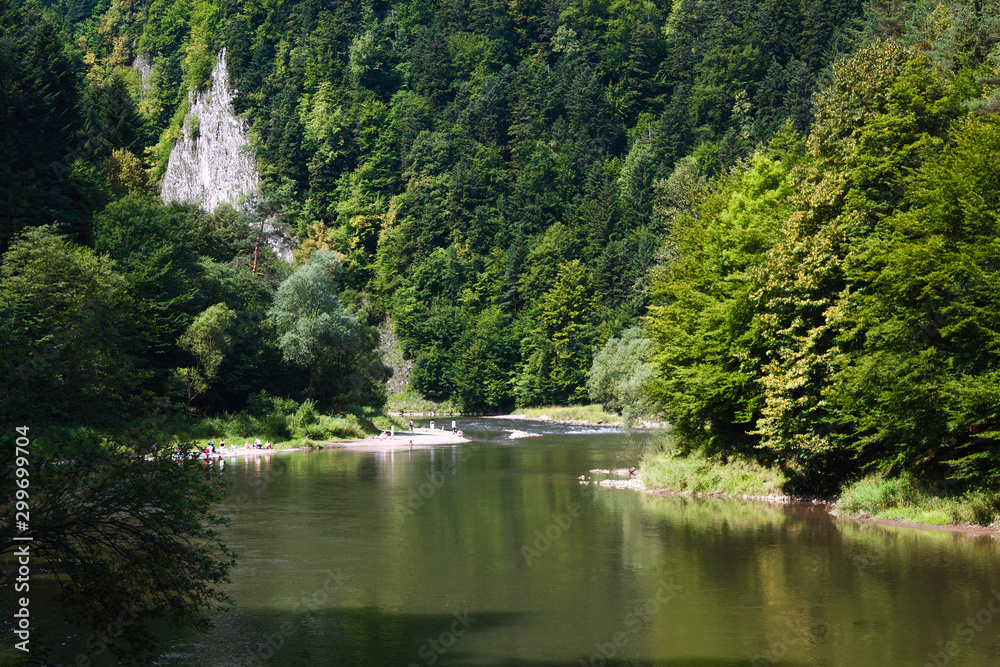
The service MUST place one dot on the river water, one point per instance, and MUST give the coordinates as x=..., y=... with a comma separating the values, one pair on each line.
x=493, y=553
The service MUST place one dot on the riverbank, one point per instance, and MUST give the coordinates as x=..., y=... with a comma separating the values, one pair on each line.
x=576, y=415
x=893, y=502
x=418, y=438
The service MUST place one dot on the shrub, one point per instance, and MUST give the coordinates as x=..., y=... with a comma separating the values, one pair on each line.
x=244, y=425
x=263, y=403
x=315, y=432
x=305, y=415
x=275, y=426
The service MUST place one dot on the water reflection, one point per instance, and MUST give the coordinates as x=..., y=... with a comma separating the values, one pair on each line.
x=492, y=553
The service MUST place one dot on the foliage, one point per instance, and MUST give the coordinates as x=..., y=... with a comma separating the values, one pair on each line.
x=135, y=537
x=64, y=313
x=853, y=332
x=309, y=318
x=905, y=499
x=703, y=318
x=919, y=390
x=208, y=341
x=851, y=178
x=698, y=474
x=620, y=372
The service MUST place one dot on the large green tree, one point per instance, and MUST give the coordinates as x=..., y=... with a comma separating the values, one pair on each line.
x=310, y=321
x=885, y=111
x=208, y=341
x=703, y=316
x=66, y=333
x=917, y=382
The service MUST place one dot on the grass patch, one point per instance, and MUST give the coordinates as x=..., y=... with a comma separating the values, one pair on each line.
x=593, y=413
x=905, y=499
x=695, y=473
x=286, y=423
x=410, y=401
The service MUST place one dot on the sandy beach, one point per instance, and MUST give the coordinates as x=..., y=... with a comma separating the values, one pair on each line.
x=421, y=437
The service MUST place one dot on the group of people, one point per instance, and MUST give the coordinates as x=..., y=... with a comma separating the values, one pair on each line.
x=210, y=449
x=392, y=434
x=454, y=427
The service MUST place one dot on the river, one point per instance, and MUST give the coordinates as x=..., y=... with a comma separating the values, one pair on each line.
x=493, y=553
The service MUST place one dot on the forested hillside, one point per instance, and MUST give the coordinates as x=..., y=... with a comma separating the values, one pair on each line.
x=510, y=186
x=495, y=178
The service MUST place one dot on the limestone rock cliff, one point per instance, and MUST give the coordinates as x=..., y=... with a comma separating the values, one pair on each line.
x=211, y=163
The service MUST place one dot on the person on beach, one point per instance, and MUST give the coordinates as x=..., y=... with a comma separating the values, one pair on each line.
x=392, y=431
x=411, y=426
x=246, y=444
x=454, y=428
x=256, y=443
x=267, y=445
x=432, y=424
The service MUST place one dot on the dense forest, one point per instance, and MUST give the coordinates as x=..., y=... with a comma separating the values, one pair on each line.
x=774, y=223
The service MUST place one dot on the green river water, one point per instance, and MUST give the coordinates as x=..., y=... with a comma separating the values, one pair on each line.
x=493, y=553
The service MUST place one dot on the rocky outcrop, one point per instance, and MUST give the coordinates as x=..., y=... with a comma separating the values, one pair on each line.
x=144, y=67
x=211, y=163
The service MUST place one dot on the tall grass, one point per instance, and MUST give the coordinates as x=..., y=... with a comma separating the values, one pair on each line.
x=904, y=499
x=695, y=473
x=287, y=423
x=409, y=401
x=593, y=413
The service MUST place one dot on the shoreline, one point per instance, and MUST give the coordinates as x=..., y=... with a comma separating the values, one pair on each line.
x=574, y=422
x=421, y=438
x=826, y=504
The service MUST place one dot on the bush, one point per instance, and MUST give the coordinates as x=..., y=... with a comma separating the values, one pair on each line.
x=348, y=426
x=696, y=474
x=244, y=425
x=305, y=415
x=315, y=432
x=874, y=496
x=262, y=404
x=275, y=426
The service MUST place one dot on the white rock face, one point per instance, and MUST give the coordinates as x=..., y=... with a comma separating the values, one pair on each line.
x=211, y=163
x=144, y=68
